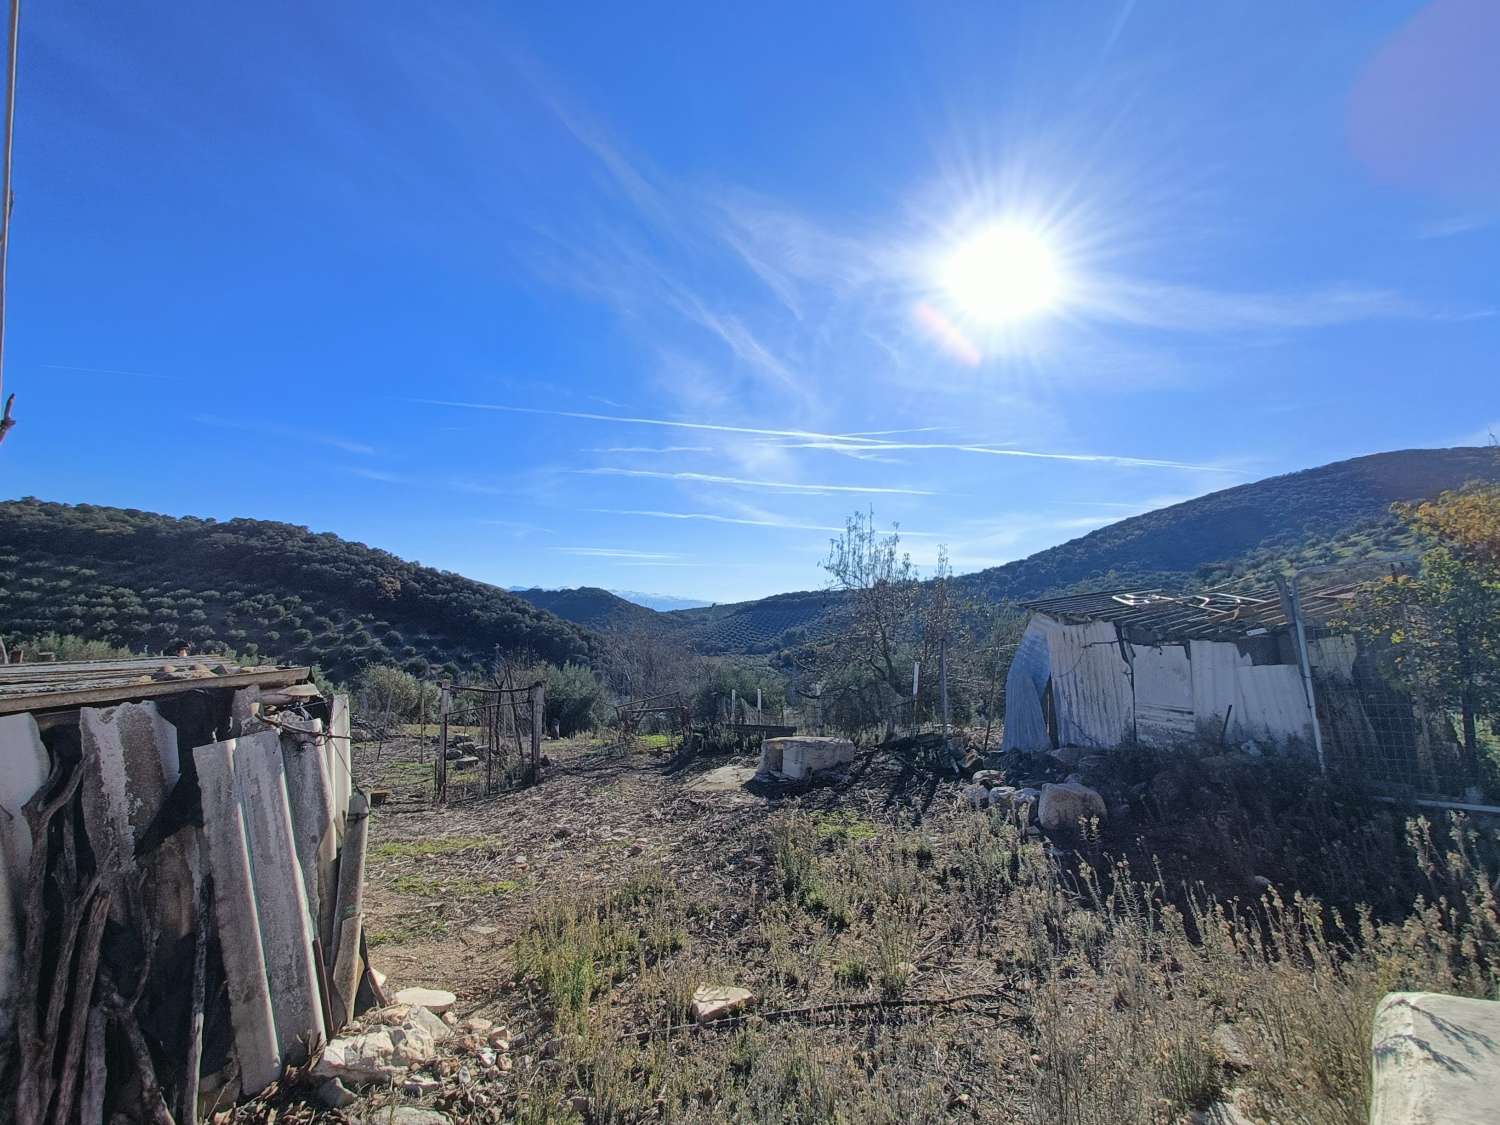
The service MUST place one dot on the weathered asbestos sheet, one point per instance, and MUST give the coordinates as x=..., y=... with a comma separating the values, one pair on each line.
x=131, y=764
x=1270, y=705
x=1090, y=684
x=1025, y=724
x=23, y=771
x=305, y=763
x=1163, y=680
x=1332, y=658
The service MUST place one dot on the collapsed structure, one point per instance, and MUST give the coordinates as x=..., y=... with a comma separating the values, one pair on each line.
x=1267, y=670
x=181, y=860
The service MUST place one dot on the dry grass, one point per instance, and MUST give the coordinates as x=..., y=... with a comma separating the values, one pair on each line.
x=952, y=967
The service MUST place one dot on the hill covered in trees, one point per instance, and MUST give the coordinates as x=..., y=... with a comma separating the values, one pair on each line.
x=594, y=608
x=150, y=581
x=1336, y=512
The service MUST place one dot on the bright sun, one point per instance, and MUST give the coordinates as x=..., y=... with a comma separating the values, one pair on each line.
x=1004, y=273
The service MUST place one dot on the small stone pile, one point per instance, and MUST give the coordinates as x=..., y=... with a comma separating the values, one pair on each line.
x=417, y=1049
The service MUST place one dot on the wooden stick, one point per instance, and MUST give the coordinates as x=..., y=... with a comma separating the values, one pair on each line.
x=187, y=1109
x=33, y=1084
x=818, y=1009
x=153, y=1105
x=78, y=1018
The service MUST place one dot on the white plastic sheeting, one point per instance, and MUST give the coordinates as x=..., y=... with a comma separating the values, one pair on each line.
x=1106, y=692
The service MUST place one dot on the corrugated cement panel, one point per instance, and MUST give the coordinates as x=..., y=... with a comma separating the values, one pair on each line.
x=1025, y=724
x=1269, y=706
x=1090, y=684
x=1163, y=694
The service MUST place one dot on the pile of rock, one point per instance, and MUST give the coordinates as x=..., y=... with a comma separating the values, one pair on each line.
x=1045, y=792
x=415, y=1047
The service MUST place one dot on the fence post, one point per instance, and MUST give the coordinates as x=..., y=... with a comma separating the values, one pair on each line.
x=440, y=759
x=538, y=717
x=1292, y=603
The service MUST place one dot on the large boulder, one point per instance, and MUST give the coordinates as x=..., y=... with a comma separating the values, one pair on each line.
x=1063, y=805
x=1436, y=1059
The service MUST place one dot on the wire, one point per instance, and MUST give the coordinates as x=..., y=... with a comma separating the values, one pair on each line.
x=7, y=199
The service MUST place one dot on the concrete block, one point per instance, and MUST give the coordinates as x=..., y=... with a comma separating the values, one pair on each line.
x=1436, y=1060
x=801, y=756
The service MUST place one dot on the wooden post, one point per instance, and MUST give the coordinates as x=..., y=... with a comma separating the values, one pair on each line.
x=440, y=760
x=538, y=717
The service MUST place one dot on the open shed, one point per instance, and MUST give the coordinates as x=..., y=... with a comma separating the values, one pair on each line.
x=1159, y=669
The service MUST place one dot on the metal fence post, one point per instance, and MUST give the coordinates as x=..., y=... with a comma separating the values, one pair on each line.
x=1293, y=604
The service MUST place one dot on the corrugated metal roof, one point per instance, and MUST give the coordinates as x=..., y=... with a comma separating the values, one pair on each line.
x=1213, y=613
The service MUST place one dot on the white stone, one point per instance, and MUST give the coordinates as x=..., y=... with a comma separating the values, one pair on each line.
x=1436, y=1060
x=433, y=999
x=359, y=1058
x=710, y=1001
x=411, y=1115
x=977, y=796
x=422, y=1017
x=1063, y=805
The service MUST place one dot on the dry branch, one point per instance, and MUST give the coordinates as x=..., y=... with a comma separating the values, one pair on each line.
x=841, y=1006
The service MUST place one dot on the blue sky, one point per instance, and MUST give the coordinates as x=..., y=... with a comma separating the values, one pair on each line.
x=653, y=295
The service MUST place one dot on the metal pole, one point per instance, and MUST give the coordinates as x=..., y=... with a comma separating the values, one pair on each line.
x=1294, y=606
x=6, y=197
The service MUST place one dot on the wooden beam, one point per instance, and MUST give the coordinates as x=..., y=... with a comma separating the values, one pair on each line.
x=129, y=693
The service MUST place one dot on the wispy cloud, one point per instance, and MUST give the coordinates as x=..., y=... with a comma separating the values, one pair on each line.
x=616, y=553
x=1457, y=224
x=378, y=474
x=653, y=449
x=112, y=371
x=739, y=482
x=841, y=443
x=1186, y=308
x=293, y=433
x=710, y=517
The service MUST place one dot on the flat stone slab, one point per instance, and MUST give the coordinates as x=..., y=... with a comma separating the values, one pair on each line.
x=724, y=779
x=1436, y=1060
x=435, y=1000
x=711, y=1001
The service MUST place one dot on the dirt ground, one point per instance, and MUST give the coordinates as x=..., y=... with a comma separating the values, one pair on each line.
x=449, y=890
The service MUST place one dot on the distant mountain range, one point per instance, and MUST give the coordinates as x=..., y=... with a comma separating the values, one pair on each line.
x=149, y=580
x=661, y=602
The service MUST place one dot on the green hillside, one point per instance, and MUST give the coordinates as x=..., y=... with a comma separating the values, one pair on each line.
x=150, y=581
x=1337, y=512
x=594, y=608
x=1213, y=536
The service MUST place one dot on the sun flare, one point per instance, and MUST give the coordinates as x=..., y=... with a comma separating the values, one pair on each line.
x=1005, y=272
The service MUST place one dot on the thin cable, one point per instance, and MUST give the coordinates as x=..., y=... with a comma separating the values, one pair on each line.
x=7, y=199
